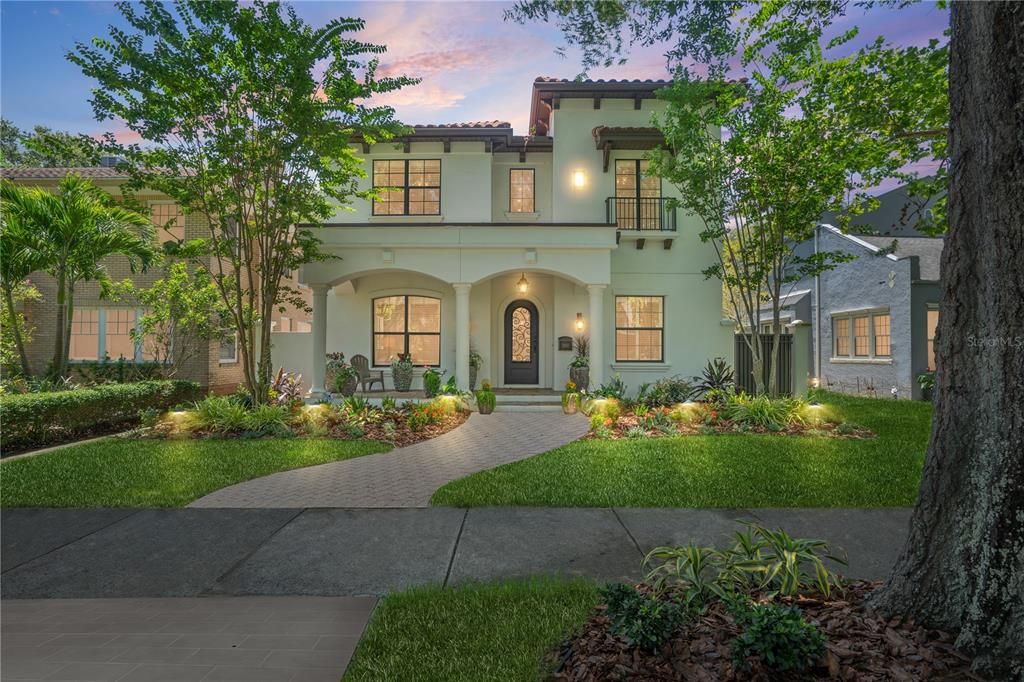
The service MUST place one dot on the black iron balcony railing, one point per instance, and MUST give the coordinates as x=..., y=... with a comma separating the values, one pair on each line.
x=642, y=214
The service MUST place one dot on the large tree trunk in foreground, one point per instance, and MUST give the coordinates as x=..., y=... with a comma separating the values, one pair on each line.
x=963, y=565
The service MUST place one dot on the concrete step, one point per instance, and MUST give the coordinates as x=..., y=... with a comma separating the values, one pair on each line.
x=529, y=398
x=526, y=407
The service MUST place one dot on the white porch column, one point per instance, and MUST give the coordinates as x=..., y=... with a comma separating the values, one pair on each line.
x=462, y=335
x=596, y=334
x=317, y=388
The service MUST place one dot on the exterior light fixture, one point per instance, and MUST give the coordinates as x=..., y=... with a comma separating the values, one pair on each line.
x=579, y=322
x=579, y=179
x=523, y=285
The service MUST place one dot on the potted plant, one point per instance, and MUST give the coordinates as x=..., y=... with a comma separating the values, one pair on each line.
x=485, y=399
x=579, y=366
x=401, y=372
x=926, y=380
x=432, y=382
x=475, y=362
x=342, y=377
x=570, y=399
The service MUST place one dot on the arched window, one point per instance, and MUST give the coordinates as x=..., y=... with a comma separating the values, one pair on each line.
x=407, y=324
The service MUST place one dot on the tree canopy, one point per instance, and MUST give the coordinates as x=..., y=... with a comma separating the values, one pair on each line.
x=248, y=116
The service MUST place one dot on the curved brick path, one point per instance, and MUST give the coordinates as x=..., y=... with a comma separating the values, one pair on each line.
x=407, y=477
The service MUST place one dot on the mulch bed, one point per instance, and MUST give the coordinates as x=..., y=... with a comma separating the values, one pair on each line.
x=60, y=436
x=861, y=646
x=403, y=435
x=629, y=420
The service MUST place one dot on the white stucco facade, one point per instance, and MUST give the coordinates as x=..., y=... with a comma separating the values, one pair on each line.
x=474, y=253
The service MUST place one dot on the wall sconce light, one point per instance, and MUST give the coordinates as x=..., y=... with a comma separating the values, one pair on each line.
x=579, y=179
x=579, y=322
x=523, y=285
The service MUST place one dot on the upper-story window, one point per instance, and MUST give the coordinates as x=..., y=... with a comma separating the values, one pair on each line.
x=169, y=221
x=414, y=187
x=637, y=196
x=521, y=190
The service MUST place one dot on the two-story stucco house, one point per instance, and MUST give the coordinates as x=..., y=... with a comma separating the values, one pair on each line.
x=509, y=245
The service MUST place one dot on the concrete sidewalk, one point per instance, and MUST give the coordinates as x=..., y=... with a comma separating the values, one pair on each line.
x=83, y=553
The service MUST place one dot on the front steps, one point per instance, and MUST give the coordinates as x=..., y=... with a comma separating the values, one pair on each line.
x=507, y=401
x=529, y=402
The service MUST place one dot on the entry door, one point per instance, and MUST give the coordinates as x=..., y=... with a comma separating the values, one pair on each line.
x=521, y=335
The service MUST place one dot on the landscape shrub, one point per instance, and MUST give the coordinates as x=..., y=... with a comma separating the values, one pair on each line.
x=666, y=392
x=615, y=388
x=642, y=620
x=760, y=559
x=222, y=415
x=35, y=419
x=716, y=378
x=779, y=637
x=759, y=411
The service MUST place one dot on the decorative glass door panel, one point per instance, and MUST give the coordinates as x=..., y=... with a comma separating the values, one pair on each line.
x=521, y=343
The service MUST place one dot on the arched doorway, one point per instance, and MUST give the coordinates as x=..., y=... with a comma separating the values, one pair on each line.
x=522, y=347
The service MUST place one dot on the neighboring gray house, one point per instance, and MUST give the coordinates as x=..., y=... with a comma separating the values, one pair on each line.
x=873, y=318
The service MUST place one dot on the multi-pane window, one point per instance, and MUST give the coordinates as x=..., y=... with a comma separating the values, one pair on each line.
x=883, y=343
x=85, y=334
x=933, y=324
x=860, y=336
x=413, y=187
x=841, y=332
x=637, y=196
x=228, y=349
x=866, y=334
x=120, y=323
x=98, y=333
x=169, y=221
x=639, y=328
x=407, y=325
x=521, y=190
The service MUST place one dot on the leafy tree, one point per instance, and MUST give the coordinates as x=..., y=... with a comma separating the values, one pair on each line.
x=18, y=259
x=962, y=566
x=15, y=331
x=796, y=141
x=183, y=312
x=45, y=148
x=73, y=231
x=249, y=114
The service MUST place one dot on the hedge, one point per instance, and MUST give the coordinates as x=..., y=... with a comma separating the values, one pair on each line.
x=32, y=420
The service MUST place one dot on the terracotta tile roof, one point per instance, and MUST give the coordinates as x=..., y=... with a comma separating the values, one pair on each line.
x=624, y=81
x=467, y=124
x=58, y=173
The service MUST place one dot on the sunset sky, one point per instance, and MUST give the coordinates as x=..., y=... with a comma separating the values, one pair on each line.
x=474, y=65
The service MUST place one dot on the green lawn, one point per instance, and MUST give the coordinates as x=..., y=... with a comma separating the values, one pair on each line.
x=722, y=471
x=120, y=472
x=489, y=631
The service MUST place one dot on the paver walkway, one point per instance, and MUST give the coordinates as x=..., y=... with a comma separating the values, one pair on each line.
x=250, y=639
x=407, y=477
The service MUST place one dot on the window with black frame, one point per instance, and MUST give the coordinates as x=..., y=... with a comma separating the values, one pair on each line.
x=639, y=328
x=407, y=325
x=637, y=196
x=521, y=190
x=407, y=187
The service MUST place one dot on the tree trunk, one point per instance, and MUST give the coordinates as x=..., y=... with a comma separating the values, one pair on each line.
x=62, y=322
x=66, y=355
x=19, y=343
x=963, y=565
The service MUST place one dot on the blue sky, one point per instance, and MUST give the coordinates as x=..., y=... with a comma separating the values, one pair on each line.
x=474, y=65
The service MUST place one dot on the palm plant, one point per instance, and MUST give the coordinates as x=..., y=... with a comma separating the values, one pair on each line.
x=18, y=259
x=74, y=230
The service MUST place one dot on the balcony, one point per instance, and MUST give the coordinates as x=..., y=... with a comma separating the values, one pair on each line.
x=641, y=214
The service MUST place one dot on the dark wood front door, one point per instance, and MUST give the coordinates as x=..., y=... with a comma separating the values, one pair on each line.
x=521, y=334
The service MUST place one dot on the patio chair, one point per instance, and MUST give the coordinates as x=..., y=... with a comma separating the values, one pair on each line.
x=367, y=377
